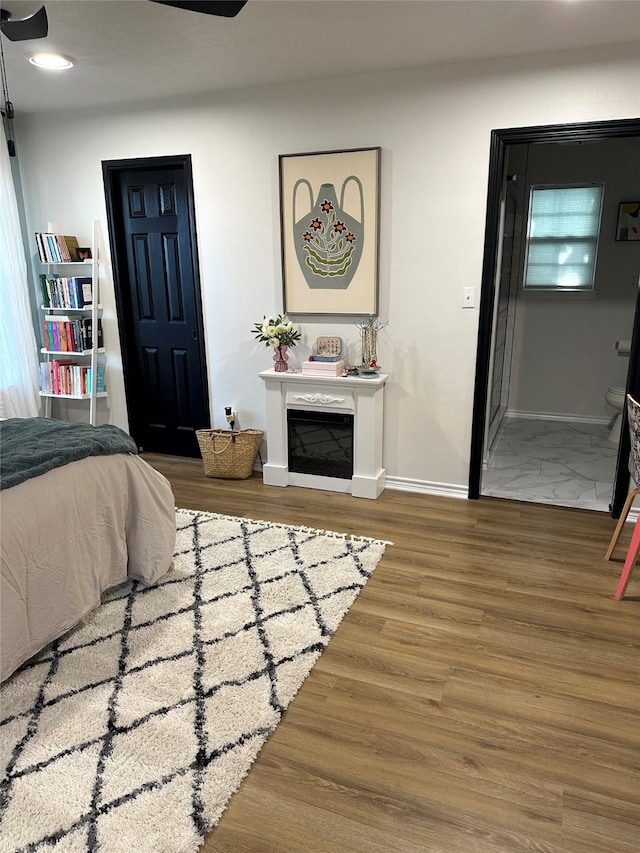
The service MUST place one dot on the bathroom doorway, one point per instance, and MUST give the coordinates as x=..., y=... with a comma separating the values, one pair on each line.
x=521, y=364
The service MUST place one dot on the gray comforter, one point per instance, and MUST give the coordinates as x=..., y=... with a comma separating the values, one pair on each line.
x=32, y=446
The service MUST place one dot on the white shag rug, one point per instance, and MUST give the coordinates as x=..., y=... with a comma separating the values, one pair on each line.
x=132, y=731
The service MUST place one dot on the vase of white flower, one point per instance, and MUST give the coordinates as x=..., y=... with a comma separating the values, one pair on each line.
x=281, y=359
x=278, y=333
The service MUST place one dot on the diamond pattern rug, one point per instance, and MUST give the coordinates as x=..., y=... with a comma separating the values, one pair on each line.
x=133, y=730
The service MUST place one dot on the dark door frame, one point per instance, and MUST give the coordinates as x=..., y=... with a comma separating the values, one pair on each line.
x=583, y=132
x=111, y=171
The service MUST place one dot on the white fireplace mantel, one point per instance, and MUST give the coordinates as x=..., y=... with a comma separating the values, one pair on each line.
x=364, y=398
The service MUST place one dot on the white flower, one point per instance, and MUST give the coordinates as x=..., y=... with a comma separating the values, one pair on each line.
x=276, y=330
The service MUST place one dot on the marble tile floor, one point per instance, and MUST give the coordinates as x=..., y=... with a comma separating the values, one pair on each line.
x=556, y=462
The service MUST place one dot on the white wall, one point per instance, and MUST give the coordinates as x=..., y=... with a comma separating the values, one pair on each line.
x=434, y=129
x=564, y=356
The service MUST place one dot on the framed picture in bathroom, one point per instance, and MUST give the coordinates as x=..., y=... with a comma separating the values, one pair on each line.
x=329, y=230
x=628, y=227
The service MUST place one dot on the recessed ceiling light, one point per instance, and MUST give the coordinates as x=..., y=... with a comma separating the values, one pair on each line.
x=51, y=61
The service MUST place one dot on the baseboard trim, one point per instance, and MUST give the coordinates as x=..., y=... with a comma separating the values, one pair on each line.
x=425, y=487
x=549, y=416
x=448, y=490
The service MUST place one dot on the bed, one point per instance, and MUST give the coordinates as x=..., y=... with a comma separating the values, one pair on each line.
x=80, y=512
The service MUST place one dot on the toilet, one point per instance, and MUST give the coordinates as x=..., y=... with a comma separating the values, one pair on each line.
x=615, y=397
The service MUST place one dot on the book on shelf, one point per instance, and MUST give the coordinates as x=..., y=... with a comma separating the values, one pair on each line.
x=48, y=249
x=63, y=292
x=100, y=387
x=87, y=331
x=55, y=344
x=44, y=250
x=44, y=293
x=70, y=333
x=56, y=248
x=84, y=285
x=71, y=245
x=63, y=377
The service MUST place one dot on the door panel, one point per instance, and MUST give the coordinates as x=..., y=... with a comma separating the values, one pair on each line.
x=159, y=307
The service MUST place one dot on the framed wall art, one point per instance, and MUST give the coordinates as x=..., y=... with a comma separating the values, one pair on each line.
x=330, y=230
x=628, y=227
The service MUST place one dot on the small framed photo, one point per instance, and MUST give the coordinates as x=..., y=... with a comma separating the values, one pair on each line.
x=83, y=253
x=628, y=221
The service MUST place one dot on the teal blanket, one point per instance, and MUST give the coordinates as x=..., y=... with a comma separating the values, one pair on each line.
x=32, y=446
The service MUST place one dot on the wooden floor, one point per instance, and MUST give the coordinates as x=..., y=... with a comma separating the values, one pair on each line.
x=481, y=696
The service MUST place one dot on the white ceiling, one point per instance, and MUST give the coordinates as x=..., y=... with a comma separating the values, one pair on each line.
x=135, y=50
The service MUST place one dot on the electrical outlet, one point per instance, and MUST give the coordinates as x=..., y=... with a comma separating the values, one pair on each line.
x=468, y=297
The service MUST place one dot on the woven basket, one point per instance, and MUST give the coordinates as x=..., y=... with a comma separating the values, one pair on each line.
x=229, y=455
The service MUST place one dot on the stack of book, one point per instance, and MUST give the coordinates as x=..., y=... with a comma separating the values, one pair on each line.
x=323, y=368
x=68, y=378
x=73, y=292
x=56, y=248
x=68, y=333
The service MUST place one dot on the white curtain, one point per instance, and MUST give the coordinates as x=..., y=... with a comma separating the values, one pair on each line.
x=19, y=370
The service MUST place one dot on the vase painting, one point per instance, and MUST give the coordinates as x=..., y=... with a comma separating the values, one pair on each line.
x=330, y=231
x=329, y=241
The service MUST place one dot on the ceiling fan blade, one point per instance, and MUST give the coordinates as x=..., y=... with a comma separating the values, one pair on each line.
x=34, y=27
x=225, y=8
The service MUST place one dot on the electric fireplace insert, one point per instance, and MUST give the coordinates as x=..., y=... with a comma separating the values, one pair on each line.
x=320, y=443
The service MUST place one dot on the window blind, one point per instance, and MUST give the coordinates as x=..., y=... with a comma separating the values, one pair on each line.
x=562, y=238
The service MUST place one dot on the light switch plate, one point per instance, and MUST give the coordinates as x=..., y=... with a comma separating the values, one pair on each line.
x=468, y=297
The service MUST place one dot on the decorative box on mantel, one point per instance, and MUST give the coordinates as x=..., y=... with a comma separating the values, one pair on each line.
x=325, y=432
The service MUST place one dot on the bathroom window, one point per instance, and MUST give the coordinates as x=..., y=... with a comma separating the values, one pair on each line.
x=562, y=237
